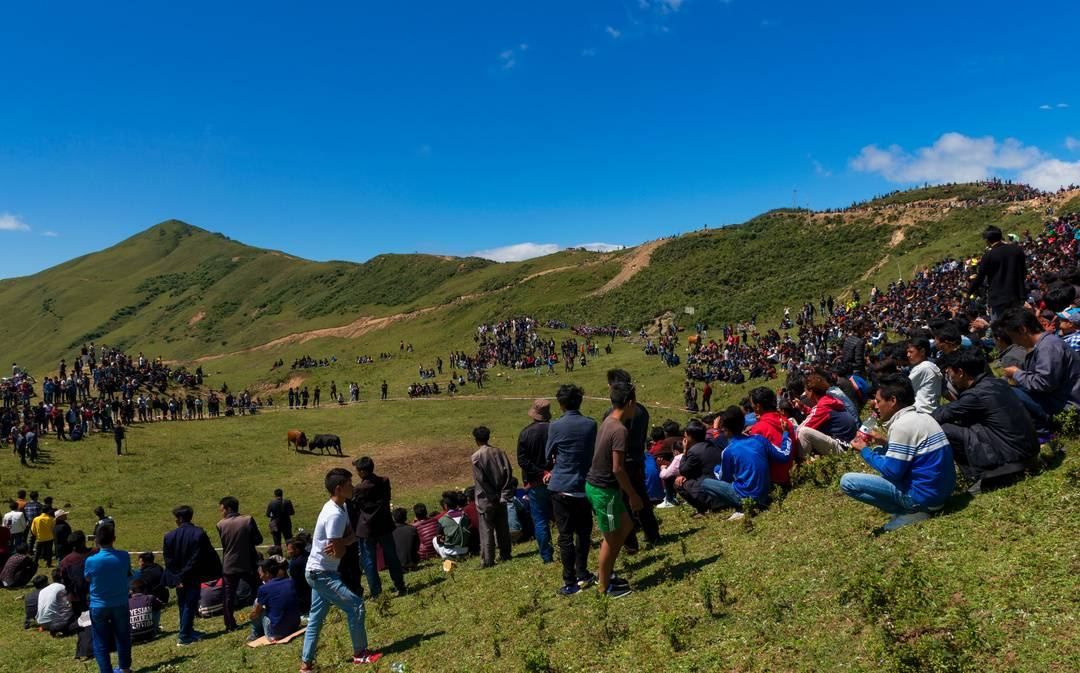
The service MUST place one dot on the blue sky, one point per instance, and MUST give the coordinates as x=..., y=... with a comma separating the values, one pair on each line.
x=343, y=130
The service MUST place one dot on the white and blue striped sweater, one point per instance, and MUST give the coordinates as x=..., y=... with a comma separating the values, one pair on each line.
x=918, y=459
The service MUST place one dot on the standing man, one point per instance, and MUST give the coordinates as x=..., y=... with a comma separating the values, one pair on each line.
x=41, y=528
x=608, y=482
x=374, y=527
x=494, y=488
x=637, y=423
x=32, y=510
x=15, y=521
x=1001, y=271
x=107, y=571
x=239, y=537
x=280, y=512
x=118, y=436
x=332, y=536
x=532, y=458
x=570, y=444
x=190, y=559
x=384, y=388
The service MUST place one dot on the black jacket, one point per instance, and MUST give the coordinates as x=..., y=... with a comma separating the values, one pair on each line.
x=1002, y=270
x=699, y=464
x=189, y=556
x=532, y=442
x=853, y=353
x=372, y=500
x=282, y=511
x=1004, y=430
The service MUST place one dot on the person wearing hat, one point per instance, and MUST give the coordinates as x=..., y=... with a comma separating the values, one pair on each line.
x=61, y=533
x=1069, y=327
x=1002, y=272
x=532, y=458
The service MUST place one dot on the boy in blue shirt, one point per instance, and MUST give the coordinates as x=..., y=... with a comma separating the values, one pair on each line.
x=107, y=572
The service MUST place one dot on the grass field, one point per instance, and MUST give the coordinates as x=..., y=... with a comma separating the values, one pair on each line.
x=989, y=586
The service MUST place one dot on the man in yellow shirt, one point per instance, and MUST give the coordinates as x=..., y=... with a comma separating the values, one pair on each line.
x=42, y=530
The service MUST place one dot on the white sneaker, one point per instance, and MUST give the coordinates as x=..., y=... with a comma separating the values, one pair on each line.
x=666, y=504
x=736, y=516
x=901, y=520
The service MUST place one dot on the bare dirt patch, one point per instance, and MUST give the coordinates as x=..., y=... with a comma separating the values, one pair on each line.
x=634, y=264
x=414, y=467
x=196, y=318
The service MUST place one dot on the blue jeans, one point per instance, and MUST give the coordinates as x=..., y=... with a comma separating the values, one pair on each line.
x=877, y=491
x=328, y=590
x=111, y=628
x=723, y=491
x=261, y=626
x=369, y=562
x=187, y=599
x=1039, y=411
x=540, y=508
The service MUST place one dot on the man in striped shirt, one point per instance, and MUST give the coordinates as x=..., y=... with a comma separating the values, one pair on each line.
x=915, y=460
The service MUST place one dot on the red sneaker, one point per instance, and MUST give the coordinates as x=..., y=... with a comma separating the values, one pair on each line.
x=366, y=657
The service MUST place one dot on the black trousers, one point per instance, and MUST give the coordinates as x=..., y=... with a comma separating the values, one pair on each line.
x=573, y=518
x=645, y=520
x=44, y=551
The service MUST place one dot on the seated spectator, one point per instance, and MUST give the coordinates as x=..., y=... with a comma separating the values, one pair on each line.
x=699, y=463
x=19, y=569
x=152, y=576
x=406, y=540
x=669, y=472
x=773, y=426
x=1049, y=380
x=744, y=467
x=829, y=426
x=654, y=488
x=991, y=434
x=427, y=527
x=54, y=611
x=298, y=557
x=925, y=375
x=454, y=529
x=30, y=601
x=276, y=613
x=144, y=612
x=1069, y=327
x=916, y=461
x=1009, y=354
x=468, y=505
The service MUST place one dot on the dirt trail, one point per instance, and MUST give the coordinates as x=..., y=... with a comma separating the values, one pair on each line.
x=634, y=263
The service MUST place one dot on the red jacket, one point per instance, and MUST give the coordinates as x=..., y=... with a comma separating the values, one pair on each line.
x=831, y=417
x=771, y=425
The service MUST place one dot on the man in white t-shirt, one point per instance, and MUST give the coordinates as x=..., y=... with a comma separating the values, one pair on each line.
x=15, y=521
x=54, y=610
x=332, y=535
x=925, y=376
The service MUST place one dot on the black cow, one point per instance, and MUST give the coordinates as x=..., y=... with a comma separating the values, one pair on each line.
x=324, y=443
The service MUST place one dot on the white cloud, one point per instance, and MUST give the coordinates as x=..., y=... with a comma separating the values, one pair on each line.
x=1052, y=174
x=1046, y=106
x=50, y=234
x=518, y=252
x=1072, y=144
x=1062, y=105
x=9, y=222
x=615, y=33
x=820, y=170
x=954, y=157
x=508, y=58
x=522, y=251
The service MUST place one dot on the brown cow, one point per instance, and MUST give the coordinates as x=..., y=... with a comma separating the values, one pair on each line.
x=693, y=339
x=296, y=439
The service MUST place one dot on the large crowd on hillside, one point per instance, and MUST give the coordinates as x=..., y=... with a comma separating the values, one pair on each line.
x=926, y=415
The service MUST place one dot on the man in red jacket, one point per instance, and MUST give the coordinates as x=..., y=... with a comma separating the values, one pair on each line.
x=829, y=426
x=772, y=425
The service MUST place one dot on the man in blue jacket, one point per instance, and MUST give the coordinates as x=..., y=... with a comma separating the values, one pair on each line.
x=744, y=467
x=570, y=443
x=190, y=559
x=916, y=461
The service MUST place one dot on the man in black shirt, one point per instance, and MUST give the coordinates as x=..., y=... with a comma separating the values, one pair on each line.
x=280, y=512
x=532, y=457
x=1002, y=271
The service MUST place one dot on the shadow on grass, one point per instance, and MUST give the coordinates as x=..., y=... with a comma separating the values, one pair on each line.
x=678, y=535
x=175, y=661
x=405, y=644
x=675, y=573
x=427, y=584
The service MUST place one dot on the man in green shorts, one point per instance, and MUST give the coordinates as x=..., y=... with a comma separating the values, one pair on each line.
x=606, y=483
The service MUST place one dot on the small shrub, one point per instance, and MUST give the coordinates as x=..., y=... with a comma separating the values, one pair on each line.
x=536, y=660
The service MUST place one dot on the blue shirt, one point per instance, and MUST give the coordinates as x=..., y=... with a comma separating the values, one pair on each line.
x=745, y=465
x=107, y=571
x=278, y=599
x=571, y=440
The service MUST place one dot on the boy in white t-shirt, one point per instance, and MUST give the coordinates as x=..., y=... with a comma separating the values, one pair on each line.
x=333, y=534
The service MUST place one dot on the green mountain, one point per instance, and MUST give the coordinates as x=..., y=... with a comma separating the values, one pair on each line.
x=183, y=292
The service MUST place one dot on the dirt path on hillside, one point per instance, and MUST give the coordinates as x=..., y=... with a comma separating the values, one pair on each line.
x=634, y=264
